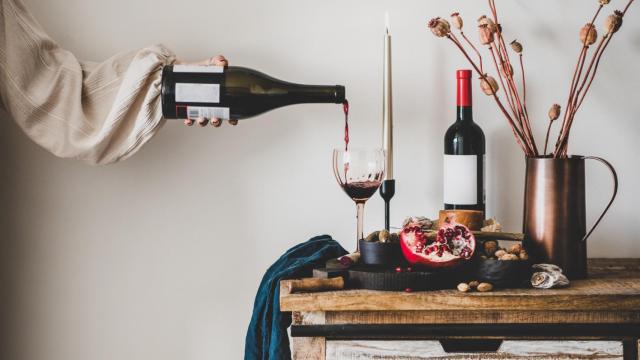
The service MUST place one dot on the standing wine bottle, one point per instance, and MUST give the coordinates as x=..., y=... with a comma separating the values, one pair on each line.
x=464, y=150
x=233, y=92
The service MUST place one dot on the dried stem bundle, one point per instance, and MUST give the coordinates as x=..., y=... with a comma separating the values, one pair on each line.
x=515, y=110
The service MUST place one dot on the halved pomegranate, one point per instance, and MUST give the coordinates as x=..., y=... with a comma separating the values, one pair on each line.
x=451, y=245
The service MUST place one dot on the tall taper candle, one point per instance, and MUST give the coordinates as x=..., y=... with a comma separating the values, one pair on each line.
x=388, y=186
x=387, y=104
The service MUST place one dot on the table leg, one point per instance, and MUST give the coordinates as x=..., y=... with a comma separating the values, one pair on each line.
x=630, y=349
x=309, y=348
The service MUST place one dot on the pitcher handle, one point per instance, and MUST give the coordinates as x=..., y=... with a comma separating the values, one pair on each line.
x=615, y=190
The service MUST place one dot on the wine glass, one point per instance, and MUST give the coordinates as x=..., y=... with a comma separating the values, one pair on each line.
x=359, y=172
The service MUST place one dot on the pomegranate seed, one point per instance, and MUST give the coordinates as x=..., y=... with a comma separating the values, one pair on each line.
x=408, y=290
x=398, y=269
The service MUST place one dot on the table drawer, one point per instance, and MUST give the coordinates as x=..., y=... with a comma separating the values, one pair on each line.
x=419, y=349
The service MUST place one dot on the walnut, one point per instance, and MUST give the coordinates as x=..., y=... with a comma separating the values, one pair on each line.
x=490, y=247
x=515, y=249
x=474, y=284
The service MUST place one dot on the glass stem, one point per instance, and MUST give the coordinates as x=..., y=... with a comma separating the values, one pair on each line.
x=360, y=220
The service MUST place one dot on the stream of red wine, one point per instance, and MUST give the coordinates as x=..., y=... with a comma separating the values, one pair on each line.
x=345, y=109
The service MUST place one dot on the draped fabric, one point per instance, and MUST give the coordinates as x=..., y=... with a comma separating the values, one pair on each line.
x=98, y=112
x=267, y=337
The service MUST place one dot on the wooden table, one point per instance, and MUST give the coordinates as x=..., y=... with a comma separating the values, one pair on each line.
x=604, y=307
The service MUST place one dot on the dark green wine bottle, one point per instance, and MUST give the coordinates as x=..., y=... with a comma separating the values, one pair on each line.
x=233, y=92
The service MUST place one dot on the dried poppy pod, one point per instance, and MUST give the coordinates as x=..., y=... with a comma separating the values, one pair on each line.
x=507, y=70
x=456, y=20
x=484, y=20
x=554, y=112
x=489, y=85
x=516, y=46
x=613, y=22
x=486, y=36
x=588, y=34
x=439, y=27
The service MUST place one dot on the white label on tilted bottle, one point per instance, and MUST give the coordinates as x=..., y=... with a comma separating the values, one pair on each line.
x=208, y=69
x=197, y=93
x=461, y=179
x=208, y=112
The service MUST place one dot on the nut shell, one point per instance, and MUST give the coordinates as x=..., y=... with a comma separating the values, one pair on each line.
x=484, y=287
x=463, y=287
x=500, y=253
x=509, y=257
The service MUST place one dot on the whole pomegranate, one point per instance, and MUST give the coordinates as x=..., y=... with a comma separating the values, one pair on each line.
x=453, y=244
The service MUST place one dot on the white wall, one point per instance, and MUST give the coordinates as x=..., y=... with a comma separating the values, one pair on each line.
x=159, y=257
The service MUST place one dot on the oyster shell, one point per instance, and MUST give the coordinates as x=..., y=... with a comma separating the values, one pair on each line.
x=549, y=276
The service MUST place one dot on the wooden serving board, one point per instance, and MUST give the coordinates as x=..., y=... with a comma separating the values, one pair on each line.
x=371, y=278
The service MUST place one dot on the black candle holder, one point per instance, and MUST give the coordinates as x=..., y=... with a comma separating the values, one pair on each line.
x=387, y=190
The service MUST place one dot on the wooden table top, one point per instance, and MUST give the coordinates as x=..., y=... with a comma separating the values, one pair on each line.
x=613, y=285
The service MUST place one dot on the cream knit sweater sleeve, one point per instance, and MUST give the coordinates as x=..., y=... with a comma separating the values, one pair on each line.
x=98, y=112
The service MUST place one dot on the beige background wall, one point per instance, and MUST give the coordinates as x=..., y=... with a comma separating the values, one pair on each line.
x=159, y=257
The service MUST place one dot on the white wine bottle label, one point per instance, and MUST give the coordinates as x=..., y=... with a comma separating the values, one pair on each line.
x=197, y=93
x=198, y=69
x=461, y=179
x=208, y=112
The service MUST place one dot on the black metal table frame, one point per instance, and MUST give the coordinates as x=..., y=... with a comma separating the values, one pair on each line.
x=478, y=337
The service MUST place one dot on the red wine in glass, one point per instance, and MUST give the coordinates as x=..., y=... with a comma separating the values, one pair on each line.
x=361, y=191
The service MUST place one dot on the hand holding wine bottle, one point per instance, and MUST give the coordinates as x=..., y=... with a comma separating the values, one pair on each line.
x=212, y=90
x=218, y=60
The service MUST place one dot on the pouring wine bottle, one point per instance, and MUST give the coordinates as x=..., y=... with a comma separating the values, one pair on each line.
x=233, y=92
x=464, y=154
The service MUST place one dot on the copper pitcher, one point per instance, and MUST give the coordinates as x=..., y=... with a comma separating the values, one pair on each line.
x=554, y=212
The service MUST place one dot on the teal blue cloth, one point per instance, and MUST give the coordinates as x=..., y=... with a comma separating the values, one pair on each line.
x=267, y=337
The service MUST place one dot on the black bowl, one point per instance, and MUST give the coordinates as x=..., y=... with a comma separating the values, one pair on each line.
x=502, y=273
x=380, y=254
